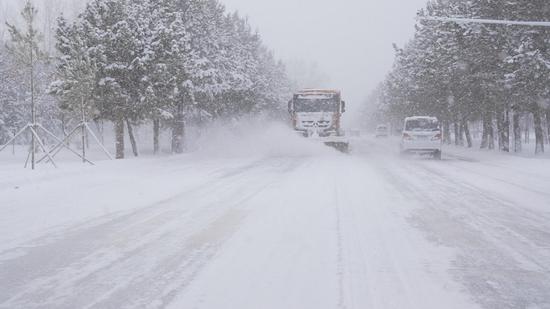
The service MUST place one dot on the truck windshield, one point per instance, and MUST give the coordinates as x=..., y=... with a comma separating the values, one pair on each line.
x=315, y=105
x=422, y=125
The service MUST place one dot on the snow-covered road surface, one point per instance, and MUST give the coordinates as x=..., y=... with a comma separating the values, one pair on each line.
x=368, y=230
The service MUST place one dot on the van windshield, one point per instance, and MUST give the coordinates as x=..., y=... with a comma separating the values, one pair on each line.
x=422, y=125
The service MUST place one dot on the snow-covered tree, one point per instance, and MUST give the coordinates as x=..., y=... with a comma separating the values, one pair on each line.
x=471, y=72
x=528, y=57
x=75, y=74
x=166, y=61
x=13, y=111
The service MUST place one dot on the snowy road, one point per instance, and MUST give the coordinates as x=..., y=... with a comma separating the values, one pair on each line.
x=369, y=230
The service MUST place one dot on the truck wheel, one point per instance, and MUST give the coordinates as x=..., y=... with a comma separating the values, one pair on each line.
x=437, y=155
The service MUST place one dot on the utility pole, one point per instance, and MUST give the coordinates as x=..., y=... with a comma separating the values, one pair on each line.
x=461, y=20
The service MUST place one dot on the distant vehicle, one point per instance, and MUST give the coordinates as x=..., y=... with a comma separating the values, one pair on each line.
x=317, y=113
x=382, y=131
x=422, y=135
x=355, y=133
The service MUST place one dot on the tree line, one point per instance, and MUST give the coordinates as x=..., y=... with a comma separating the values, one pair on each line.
x=168, y=62
x=494, y=76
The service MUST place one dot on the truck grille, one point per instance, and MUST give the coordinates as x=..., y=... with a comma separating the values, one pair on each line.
x=316, y=124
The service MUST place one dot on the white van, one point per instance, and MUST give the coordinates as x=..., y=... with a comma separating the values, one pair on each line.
x=422, y=135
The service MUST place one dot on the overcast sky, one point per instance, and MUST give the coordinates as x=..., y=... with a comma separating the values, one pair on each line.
x=351, y=40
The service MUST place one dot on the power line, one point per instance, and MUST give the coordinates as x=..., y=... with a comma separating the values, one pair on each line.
x=487, y=21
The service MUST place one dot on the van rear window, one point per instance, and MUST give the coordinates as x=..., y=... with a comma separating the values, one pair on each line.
x=422, y=125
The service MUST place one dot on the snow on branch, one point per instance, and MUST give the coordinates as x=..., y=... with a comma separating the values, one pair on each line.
x=487, y=21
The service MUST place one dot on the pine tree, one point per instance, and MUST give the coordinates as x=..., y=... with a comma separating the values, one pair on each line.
x=107, y=33
x=75, y=75
x=24, y=46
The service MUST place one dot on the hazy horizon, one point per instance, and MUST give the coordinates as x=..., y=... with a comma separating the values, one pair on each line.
x=362, y=34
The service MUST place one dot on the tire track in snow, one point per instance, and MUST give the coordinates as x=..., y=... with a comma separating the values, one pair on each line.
x=505, y=181
x=340, y=251
x=500, y=268
x=506, y=209
x=56, y=234
x=159, y=238
x=387, y=262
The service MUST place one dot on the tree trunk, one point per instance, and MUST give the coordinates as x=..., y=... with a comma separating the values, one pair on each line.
x=466, y=128
x=132, y=138
x=506, y=131
x=548, y=124
x=83, y=144
x=485, y=135
x=491, y=135
x=457, y=133
x=527, y=130
x=517, y=132
x=447, y=133
x=461, y=134
x=33, y=111
x=119, y=134
x=178, y=132
x=100, y=129
x=499, y=130
x=87, y=139
x=539, y=134
x=503, y=125
x=64, y=128
x=156, y=136
x=13, y=145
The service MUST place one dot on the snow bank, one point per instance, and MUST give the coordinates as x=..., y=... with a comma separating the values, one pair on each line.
x=257, y=138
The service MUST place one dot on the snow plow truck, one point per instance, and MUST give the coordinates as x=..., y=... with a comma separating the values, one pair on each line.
x=317, y=114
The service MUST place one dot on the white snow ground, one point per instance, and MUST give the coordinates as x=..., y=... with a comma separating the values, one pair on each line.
x=271, y=222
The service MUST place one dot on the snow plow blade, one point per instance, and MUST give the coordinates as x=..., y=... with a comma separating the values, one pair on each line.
x=340, y=146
